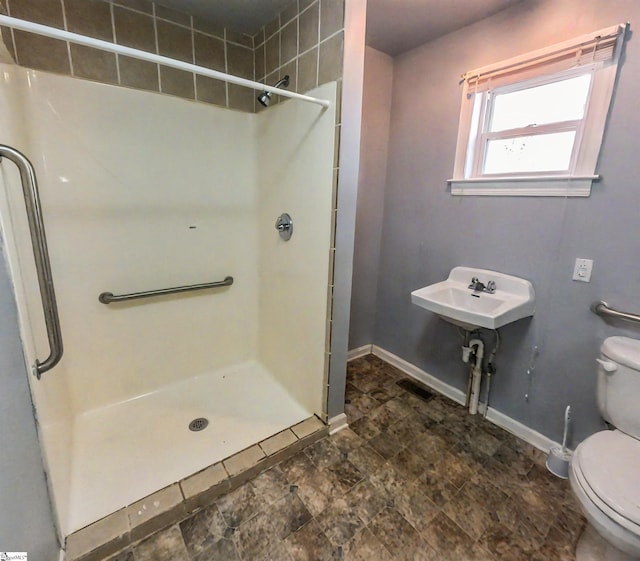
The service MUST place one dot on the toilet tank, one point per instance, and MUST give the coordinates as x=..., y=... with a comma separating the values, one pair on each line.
x=619, y=384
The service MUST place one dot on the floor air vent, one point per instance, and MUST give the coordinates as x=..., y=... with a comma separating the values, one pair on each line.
x=415, y=389
x=198, y=424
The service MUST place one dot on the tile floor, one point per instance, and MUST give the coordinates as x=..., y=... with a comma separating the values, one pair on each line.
x=411, y=479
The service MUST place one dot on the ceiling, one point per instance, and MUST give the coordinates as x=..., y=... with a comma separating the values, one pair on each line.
x=396, y=26
x=393, y=26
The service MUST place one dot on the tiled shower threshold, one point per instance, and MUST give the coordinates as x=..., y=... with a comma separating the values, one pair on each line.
x=173, y=503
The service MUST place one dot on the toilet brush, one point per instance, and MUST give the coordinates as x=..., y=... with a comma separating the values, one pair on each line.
x=559, y=457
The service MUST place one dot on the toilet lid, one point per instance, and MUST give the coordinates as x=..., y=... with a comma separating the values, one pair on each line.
x=623, y=350
x=610, y=464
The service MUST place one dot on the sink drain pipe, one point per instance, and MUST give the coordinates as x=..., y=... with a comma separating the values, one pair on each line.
x=476, y=374
x=491, y=370
x=473, y=353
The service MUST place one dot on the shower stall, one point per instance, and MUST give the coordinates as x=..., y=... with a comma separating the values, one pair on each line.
x=143, y=192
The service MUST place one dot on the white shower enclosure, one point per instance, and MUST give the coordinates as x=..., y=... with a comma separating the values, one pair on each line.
x=143, y=191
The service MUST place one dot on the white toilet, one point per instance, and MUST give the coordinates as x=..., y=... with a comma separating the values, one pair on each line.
x=605, y=468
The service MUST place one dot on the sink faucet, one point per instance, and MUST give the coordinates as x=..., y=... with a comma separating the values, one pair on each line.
x=478, y=286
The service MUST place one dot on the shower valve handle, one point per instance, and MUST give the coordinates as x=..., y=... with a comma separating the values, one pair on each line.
x=284, y=225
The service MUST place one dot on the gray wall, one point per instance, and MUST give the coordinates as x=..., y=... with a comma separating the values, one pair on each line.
x=26, y=522
x=426, y=231
x=374, y=142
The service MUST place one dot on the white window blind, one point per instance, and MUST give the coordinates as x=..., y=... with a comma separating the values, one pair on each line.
x=587, y=49
x=510, y=160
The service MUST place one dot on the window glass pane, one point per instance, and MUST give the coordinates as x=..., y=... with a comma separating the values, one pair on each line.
x=551, y=103
x=522, y=154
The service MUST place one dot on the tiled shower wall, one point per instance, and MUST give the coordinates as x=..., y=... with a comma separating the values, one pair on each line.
x=304, y=41
x=139, y=24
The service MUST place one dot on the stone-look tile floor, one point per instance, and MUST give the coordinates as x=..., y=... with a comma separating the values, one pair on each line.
x=410, y=480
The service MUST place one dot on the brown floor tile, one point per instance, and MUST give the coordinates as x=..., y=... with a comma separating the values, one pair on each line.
x=346, y=441
x=323, y=453
x=366, y=500
x=298, y=468
x=239, y=505
x=515, y=461
x=365, y=428
x=203, y=530
x=429, y=447
x=340, y=522
x=366, y=547
x=510, y=544
x=382, y=394
x=166, y=545
x=318, y=491
x=455, y=468
x=261, y=536
x=366, y=459
x=387, y=480
x=472, y=509
x=449, y=437
x=401, y=539
x=222, y=549
x=409, y=464
x=271, y=485
x=386, y=444
x=447, y=538
x=346, y=475
x=310, y=544
x=504, y=479
x=383, y=417
x=435, y=485
x=363, y=403
x=416, y=507
x=398, y=407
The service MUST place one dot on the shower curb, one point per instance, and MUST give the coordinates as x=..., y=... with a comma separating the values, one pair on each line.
x=175, y=502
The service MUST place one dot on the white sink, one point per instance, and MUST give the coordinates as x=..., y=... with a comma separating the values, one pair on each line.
x=456, y=303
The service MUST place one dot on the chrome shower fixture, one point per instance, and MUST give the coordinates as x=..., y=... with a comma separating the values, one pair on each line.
x=265, y=97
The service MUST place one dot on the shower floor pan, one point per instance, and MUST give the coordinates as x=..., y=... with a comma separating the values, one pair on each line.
x=126, y=451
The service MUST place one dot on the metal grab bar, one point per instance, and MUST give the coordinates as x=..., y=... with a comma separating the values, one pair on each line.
x=41, y=256
x=602, y=309
x=109, y=297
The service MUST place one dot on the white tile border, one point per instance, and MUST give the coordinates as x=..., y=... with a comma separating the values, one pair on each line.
x=516, y=428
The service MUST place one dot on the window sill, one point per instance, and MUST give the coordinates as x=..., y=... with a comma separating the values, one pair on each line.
x=532, y=186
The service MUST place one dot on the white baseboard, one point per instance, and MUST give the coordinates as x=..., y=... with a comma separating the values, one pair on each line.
x=540, y=441
x=360, y=351
x=338, y=423
x=496, y=417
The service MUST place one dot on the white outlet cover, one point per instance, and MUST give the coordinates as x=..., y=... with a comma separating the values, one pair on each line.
x=582, y=270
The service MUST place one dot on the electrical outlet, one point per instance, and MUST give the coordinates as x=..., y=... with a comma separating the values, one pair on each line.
x=582, y=270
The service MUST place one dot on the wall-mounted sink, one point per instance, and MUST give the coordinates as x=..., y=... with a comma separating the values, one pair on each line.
x=457, y=303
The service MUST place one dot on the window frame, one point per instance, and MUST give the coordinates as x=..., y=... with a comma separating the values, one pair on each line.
x=487, y=108
x=475, y=115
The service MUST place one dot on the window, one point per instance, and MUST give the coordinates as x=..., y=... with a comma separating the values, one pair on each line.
x=533, y=125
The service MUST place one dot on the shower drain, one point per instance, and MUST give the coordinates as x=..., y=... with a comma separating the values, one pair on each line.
x=198, y=424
